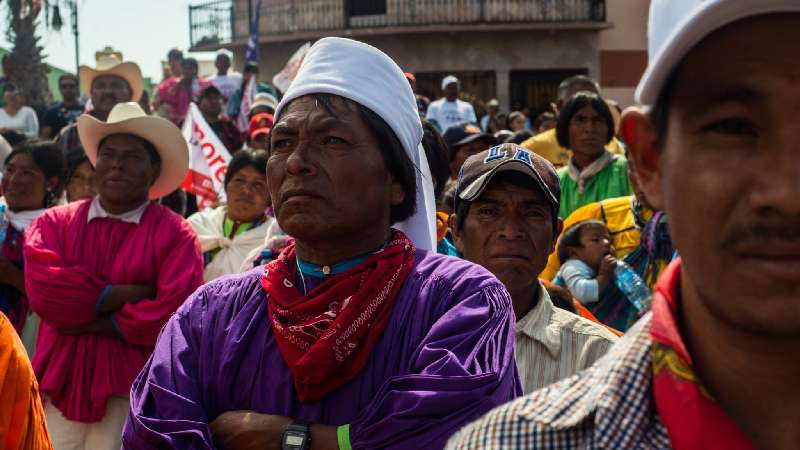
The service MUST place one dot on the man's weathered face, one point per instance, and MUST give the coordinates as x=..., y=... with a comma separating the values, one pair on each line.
x=124, y=170
x=109, y=90
x=729, y=173
x=326, y=174
x=509, y=231
x=222, y=63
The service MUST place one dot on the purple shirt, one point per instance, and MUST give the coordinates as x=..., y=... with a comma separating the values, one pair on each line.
x=445, y=358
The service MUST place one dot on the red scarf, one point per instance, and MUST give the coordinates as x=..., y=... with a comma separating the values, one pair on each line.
x=326, y=336
x=693, y=418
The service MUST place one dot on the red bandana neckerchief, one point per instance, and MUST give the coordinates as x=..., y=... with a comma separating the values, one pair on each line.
x=693, y=418
x=326, y=336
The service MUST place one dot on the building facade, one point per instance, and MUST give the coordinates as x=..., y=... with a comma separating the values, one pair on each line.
x=514, y=50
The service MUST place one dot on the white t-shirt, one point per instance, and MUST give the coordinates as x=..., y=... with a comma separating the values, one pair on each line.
x=25, y=121
x=448, y=114
x=227, y=84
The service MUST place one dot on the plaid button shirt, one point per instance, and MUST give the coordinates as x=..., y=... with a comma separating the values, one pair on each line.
x=608, y=406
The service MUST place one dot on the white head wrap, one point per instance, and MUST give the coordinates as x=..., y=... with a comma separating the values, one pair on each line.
x=367, y=76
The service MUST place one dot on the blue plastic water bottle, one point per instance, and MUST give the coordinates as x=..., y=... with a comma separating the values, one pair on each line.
x=632, y=285
x=3, y=223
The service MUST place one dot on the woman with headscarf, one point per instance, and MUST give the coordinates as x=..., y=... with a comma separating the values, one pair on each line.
x=32, y=182
x=228, y=233
x=358, y=335
x=586, y=127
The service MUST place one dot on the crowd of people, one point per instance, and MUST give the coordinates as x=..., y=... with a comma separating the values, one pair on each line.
x=386, y=271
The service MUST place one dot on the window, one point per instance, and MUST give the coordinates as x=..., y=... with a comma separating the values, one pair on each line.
x=367, y=7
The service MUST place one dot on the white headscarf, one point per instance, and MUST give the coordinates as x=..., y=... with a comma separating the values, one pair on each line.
x=367, y=76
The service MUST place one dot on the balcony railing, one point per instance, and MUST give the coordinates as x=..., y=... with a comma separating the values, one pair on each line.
x=211, y=22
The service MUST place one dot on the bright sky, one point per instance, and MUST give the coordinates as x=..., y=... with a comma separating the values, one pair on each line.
x=143, y=30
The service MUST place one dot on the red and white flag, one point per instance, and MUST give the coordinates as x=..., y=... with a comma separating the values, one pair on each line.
x=208, y=160
x=242, y=120
x=285, y=77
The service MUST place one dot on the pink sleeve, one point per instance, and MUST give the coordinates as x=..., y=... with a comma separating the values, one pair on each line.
x=62, y=296
x=179, y=275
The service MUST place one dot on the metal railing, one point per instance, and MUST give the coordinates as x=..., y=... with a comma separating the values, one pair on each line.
x=211, y=22
x=219, y=21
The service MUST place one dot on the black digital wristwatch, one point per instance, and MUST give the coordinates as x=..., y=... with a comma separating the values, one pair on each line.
x=297, y=436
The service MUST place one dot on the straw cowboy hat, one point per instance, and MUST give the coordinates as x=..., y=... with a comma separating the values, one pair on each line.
x=109, y=65
x=129, y=118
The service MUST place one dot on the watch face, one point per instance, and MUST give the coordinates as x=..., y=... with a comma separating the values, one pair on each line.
x=294, y=439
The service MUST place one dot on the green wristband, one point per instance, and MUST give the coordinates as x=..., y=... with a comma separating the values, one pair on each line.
x=343, y=435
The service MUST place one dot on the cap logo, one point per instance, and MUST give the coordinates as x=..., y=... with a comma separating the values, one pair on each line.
x=499, y=153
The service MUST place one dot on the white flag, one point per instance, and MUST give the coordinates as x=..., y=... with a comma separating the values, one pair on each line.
x=285, y=77
x=208, y=160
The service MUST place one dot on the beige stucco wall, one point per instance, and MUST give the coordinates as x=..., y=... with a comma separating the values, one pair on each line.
x=629, y=20
x=628, y=32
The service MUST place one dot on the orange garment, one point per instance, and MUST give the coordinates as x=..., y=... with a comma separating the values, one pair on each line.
x=441, y=225
x=22, y=423
x=586, y=314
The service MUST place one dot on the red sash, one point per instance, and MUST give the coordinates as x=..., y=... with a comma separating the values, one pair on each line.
x=693, y=418
x=326, y=336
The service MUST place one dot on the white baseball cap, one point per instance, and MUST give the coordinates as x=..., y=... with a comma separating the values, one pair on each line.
x=450, y=79
x=677, y=26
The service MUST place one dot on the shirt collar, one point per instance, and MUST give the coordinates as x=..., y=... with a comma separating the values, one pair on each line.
x=536, y=324
x=96, y=211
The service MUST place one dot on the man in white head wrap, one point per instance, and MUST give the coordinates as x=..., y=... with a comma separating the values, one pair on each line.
x=356, y=336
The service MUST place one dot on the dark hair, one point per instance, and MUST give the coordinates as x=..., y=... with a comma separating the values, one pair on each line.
x=576, y=103
x=155, y=157
x=542, y=118
x=254, y=158
x=448, y=199
x=14, y=137
x=251, y=66
x=75, y=157
x=659, y=113
x=568, y=84
x=50, y=160
x=394, y=156
x=520, y=136
x=513, y=178
x=571, y=237
x=67, y=75
x=561, y=298
x=436, y=152
x=174, y=54
x=190, y=61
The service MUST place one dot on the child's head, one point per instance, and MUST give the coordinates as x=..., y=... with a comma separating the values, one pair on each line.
x=588, y=241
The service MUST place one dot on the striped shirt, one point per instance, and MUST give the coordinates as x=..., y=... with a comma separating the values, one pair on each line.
x=553, y=344
x=608, y=406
